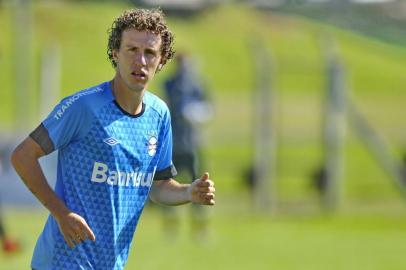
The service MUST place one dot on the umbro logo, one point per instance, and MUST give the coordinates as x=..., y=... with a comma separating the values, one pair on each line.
x=111, y=141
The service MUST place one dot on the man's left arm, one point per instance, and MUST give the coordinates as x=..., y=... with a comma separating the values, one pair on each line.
x=171, y=192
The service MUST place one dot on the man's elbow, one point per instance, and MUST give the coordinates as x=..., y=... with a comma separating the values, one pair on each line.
x=26, y=151
x=17, y=156
x=153, y=199
x=153, y=195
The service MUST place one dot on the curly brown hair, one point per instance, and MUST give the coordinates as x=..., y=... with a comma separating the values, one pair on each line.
x=143, y=20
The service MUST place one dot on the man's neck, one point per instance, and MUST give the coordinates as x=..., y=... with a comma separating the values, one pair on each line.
x=130, y=101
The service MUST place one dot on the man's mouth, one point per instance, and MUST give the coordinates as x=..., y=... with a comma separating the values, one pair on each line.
x=139, y=75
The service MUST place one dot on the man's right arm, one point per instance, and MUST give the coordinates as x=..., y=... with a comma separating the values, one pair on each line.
x=25, y=161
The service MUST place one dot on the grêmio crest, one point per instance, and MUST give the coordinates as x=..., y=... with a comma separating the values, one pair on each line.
x=152, y=142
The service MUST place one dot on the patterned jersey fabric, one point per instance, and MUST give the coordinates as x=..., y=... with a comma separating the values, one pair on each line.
x=107, y=160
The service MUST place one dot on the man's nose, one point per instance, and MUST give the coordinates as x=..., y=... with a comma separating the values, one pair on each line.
x=140, y=59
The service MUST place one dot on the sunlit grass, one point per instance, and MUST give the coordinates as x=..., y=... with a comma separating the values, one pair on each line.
x=238, y=240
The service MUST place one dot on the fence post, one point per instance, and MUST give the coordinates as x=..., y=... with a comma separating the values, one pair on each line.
x=334, y=130
x=50, y=79
x=22, y=21
x=264, y=133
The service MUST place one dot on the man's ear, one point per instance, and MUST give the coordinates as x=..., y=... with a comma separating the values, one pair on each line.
x=159, y=67
x=114, y=53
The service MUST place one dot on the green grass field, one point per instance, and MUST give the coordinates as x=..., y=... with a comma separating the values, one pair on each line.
x=369, y=232
x=360, y=239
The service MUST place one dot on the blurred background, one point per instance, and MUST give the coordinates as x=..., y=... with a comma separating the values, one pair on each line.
x=306, y=141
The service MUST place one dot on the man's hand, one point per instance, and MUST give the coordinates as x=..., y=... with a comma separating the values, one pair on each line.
x=74, y=229
x=201, y=191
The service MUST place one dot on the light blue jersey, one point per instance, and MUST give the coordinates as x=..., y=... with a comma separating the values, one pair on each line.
x=106, y=164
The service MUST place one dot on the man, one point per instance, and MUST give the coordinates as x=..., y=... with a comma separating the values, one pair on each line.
x=189, y=107
x=115, y=149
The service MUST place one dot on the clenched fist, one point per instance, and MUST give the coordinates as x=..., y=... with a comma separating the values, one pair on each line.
x=201, y=191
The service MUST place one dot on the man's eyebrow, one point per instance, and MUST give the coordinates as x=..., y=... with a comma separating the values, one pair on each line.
x=151, y=50
x=131, y=46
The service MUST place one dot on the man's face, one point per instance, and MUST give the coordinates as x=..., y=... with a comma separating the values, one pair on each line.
x=138, y=58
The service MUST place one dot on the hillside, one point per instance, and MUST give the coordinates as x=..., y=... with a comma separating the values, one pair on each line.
x=220, y=40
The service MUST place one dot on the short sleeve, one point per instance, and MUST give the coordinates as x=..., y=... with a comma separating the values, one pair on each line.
x=67, y=122
x=165, y=167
